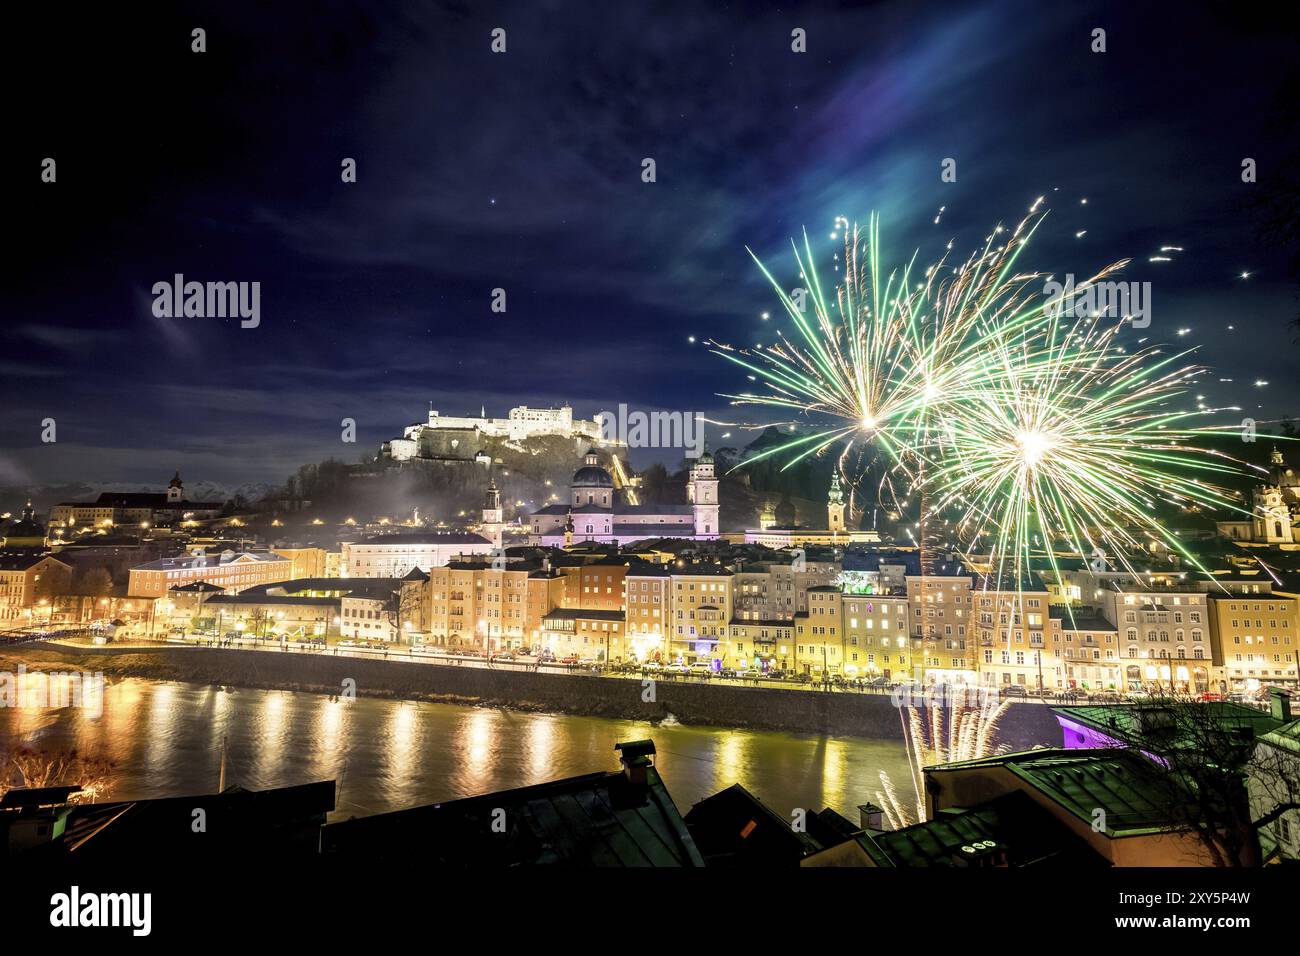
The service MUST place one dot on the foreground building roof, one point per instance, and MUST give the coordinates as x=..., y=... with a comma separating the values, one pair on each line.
x=618, y=819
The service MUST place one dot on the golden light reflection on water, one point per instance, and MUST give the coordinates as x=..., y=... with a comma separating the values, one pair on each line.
x=269, y=725
x=402, y=752
x=477, y=751
x=834, y=769
x=166, y=740
x=122, y=713
x=539, y=746
x=162, y=710
x=731, y=758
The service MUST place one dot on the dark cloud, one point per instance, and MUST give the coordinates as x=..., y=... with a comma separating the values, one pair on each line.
x=521, y=171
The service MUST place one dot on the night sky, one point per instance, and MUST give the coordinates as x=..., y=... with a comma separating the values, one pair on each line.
x=523, y=171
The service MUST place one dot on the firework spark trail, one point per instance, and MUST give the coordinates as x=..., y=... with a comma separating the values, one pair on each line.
x=1074, y=442
x=874, y=358
x=990, y=400
x=964, y=728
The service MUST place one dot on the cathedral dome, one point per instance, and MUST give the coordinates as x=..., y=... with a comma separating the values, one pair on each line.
x=592, y=476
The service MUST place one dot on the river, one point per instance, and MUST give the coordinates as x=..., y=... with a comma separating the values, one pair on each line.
x=164, y=739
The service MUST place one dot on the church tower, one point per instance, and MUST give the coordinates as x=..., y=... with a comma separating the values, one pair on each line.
x=835, y=506
x=492, y=515
x=175, y=489
x=703, y=494
x=1272, y=517
x=767, y=517
x=1272, y=509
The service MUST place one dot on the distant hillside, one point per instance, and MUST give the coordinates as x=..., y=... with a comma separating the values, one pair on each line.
x=44, y=497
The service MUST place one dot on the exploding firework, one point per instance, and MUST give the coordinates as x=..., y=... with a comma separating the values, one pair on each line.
x=1028, y=426
x=1073, y=444
x=871, y=358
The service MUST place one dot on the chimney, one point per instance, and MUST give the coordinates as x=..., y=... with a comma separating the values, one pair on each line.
x=871, y=817
x=635, y=756
x=1279, y=704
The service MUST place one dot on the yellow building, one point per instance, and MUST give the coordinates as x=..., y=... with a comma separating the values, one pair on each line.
x=647, y=591
x=476, y=604
x=545, y=592
x=701, y=609
x=1083, y=653
x=588, y=635
x=940, y=607
x=1253, y=639
x=1010, y=629
x=820, y=646
x=307, y=562
x=28, y=584
x=877, y=645
x=762, y=645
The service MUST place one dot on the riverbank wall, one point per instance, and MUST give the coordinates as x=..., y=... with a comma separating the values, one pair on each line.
x=836, y=714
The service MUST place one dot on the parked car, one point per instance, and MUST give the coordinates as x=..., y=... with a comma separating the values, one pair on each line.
x=651, y=667
x=676, y=669
x=569, y=659
x=746, y=673
x=1014, y=690
x=701, y=669
x=504, y=656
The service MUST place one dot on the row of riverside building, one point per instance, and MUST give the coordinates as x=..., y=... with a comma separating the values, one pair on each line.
x=1070, y=629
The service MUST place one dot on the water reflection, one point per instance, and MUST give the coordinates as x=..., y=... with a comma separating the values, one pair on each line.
x=165, y=739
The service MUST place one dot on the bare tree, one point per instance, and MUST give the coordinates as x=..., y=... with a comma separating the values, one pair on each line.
x=27, y=768
x=402, y=605
x=1214, y=762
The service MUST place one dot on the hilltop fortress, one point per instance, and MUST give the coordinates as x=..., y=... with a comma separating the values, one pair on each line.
x=444, y=434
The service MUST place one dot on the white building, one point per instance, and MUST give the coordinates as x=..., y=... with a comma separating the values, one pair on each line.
x=594, y=513
x=1275, y=509
x=394, y=555
x=521, y=423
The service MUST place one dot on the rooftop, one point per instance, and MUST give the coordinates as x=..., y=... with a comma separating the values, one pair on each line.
x=1124, y=784
x=1010, y=830
x=597, y=819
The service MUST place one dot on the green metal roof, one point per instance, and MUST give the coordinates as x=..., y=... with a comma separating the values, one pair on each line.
x=1127, y=786
x=1010, y=830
